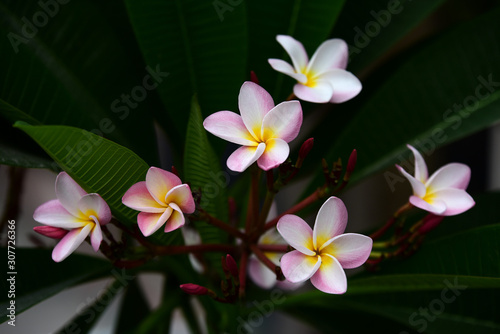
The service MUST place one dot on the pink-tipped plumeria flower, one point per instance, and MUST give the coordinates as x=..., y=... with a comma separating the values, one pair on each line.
x=72, y=217
x=322, y=253
x=324, y=78
x=444, y=192
x=263, y=129
x=162, y=199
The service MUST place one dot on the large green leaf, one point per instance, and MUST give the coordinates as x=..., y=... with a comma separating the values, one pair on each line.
x=14, y=157
x=97, y=164
x=86, y=319
x=308, y=21
x=202, y=171
x=38, y=277
x=202, y=52
x=59, y=69
x=423, y=102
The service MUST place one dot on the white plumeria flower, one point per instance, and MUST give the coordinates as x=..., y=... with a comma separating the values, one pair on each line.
x=162, y=200
x=324, y=78
x=263, y=129
x=444, y=192
x=322, y=253
x=75, y=211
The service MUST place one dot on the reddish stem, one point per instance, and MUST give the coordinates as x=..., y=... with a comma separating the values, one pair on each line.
x=297, y=207
x=273, y=248
x=290, y=97
x=263, y=258
x=377, y=234
x=222, y=225
x=253, y=200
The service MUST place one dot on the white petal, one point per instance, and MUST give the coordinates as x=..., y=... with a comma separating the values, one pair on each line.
x=276, y=152
x=456, y=200
x=345, y=84
x=295, y=50
x=261, y=275
x=436, y=207
x=244, y=156
x=330, y=221
x=350, y=249
x=254, y=103
x=417, y=186
x=229, y=126
x=421, y=173
x=70, y=242
x=330, y=277
x=69, y=193
x=320, y=93
x=285, y=68
x=94, y=205
x=297, y=233
x=283, y=121
x=52, y=213
x=454, y=175
x=298, y=267
x=331, y=54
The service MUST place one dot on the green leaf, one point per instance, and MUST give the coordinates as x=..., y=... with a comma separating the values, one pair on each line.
x=85, y=320
x=68, y=72
x=97, y=164
x=134, y=309
x=39, y=277
x=371, y=33
x=15, y=157
x=202, y=52
x=310, y=22
x=202, y=172
x=441, y=93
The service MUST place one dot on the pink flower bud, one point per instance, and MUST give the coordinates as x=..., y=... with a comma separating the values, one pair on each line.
x=194, y=289
x=51, y=232
x=304, y=151
x=253, y=77
x=351, y=164
x=430, y=222
x=231, y=265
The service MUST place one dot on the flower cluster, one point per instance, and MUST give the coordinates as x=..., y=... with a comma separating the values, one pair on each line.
x=263, y=130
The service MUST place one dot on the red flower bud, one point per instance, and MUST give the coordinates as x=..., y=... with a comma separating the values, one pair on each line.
x=194, y=289
x=351, y=164
x=304, y=151
x=231, y=265
x=253, y=77
x=51, y=232
x=430, y=222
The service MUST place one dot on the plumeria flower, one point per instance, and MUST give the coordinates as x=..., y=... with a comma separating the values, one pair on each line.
x=72, y=217
x=324, y=78
x=444, y=192
x=263, y=129
x=162, y=200
x=322, y=253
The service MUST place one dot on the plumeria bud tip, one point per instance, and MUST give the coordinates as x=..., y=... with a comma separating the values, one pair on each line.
x=304, y=151
x=351, y=164
x=231, y=265
x=253, y=77
x=194, y=289
x=51, y=232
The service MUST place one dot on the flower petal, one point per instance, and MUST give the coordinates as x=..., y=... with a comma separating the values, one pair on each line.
x=94, y=205
x=52, y=213
x=297, y=233
x=345, y=84
x=70, y=242
x=421, y=173
x=455, y=200
x=295, y=50
x=51, y=232
x=330, y=221
x=298, y=267
x=276, y=152
x=285, y=68
x=417, y=186
x=261, y=275
x=96, y=236
x=331, y=54
x=454, y=175
x=436, y=207
x=149, y=223
x=320, y=93
x=271, y=236
x=229, y=126
x=138, y=198
x=283, y=121
x=159, y=182
x=244, y=156
x=330, y=277
x=176, y=219
x=181, y=196
x=350, y=249
x=69, y=193
x=254, y=103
